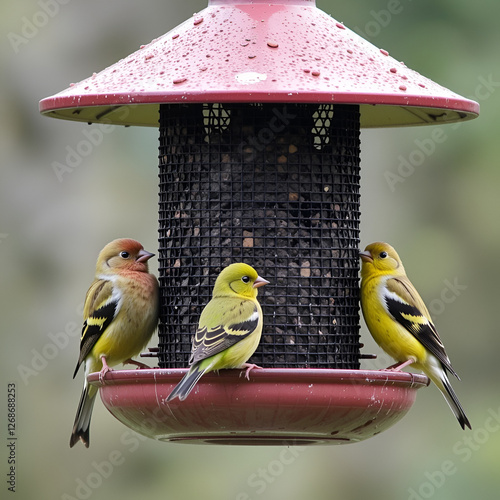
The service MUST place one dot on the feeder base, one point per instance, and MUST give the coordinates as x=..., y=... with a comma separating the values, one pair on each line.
x=275, y=407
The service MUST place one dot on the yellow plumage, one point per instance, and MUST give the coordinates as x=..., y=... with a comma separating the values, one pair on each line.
x=229, y=329
x=394, y=338
x=400, y=323
x=120, y=316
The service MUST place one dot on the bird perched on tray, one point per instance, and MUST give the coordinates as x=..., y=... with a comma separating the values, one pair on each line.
x=229, y=328
x=120, y=316
x=400, y=322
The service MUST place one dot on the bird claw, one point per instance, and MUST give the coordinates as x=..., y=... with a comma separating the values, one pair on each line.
x=249, y=367
x=140, y=366
x=105, y=369
x=397, y=367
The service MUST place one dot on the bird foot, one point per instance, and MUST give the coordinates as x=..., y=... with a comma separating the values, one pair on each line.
x=140, y=366
x=249, y=367
x=397, y=367
x=105, y=369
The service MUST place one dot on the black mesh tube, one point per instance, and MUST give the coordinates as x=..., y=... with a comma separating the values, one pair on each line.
x=275, y=186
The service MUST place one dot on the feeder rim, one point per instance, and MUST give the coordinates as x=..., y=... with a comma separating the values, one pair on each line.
x=378, y=377
x=104, y=108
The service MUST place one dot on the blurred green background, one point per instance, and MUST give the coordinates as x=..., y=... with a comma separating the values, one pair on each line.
x=443, y=219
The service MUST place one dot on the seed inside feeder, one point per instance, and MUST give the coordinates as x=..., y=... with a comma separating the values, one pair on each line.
x=231, y=191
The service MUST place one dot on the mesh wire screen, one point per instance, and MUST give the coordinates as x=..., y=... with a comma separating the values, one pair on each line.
x=275, y=186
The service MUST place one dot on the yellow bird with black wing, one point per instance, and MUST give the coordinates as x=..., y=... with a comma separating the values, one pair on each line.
x=400, y=322
x=229, y=329
x=120, y=316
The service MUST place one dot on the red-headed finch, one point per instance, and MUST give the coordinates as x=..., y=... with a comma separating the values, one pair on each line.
x=120, y=316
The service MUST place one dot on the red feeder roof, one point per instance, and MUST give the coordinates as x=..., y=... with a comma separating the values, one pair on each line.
x=256, y=51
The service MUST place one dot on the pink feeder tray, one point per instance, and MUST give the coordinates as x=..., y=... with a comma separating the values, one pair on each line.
x=275, y=407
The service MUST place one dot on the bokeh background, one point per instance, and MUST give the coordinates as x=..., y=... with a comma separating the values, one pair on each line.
x=443, y=218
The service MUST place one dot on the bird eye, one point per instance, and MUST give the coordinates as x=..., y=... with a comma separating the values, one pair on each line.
x=124, y=255
x=383, y=255
x=245, y=279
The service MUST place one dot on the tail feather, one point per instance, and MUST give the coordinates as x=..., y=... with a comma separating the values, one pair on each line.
x=81, y=427
x=185, y=386
x=454, y=403
x=437, y=372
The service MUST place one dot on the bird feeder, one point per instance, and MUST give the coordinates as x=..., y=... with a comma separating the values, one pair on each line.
x=259, y=106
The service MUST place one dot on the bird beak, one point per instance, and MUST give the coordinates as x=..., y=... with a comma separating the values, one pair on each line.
x=144, y=256
x=366, y=256
x=260, y=282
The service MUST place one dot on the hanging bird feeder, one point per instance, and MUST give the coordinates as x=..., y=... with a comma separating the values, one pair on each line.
x=259, y=108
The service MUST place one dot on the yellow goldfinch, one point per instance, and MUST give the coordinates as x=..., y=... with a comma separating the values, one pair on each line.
x=229, y=329
x=120, y=316
x=401, y=324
